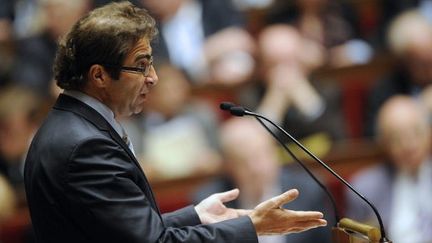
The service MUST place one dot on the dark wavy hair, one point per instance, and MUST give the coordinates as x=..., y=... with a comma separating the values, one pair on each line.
x=103, y=36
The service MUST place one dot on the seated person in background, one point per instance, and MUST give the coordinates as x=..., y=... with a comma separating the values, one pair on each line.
x=176, y=135
x=251, y=164
x=400, y=188
x=410, y=41
x=20, y=113
x=286, y=94
x=19, y=109
x=35, y=54
x=389, y=9
x=6, y=19
x=329, y=24
x=204, y=38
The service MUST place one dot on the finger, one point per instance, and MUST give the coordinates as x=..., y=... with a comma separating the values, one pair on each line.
x=282, y=199
x=243, y=212
x=302, y=226
x=306, y=215
x=228, y=195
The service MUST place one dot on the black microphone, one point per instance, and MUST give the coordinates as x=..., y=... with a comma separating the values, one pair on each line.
x=226, y=106
x=241, y=111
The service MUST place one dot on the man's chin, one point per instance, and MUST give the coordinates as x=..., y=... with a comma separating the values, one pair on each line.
x=138, y=110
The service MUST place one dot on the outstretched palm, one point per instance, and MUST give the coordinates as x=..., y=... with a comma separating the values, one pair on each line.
x=213, y=210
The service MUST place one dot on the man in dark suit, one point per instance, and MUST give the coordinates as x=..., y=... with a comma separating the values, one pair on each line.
x=83, y=182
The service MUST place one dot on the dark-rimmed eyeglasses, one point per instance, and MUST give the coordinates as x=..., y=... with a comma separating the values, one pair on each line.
x=145, y=70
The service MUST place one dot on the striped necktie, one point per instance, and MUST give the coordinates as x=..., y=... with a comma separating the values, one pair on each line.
x=126, y=139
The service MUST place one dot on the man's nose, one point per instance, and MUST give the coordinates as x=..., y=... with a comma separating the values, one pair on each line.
x=152, y=79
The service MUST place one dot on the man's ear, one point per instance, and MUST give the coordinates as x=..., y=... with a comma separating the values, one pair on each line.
x=98, y=76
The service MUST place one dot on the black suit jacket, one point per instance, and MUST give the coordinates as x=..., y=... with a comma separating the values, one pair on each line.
x=83, y=184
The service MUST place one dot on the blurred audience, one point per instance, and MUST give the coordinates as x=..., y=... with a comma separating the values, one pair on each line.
x=400, y=188
x=35, y=54
x=330, y=24
x=410, y=41
x=286, y=94
x=251, y=164
x=390, y=9
x=205, y=38
x=19, y=118
x=6, y=17
x=176, y=135
x=206, y=42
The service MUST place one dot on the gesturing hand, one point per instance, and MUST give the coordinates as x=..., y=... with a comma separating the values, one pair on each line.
x=213, y=210
x=270, y=218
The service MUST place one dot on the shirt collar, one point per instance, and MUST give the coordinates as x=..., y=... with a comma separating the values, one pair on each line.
x=100, y=107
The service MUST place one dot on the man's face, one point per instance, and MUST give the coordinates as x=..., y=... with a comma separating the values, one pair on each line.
x=408, y=147
x=255, y=158
x=126, y=95
x=406, y=137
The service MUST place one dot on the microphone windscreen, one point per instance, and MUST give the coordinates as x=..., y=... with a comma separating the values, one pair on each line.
x=226, y=105
x=238, y=111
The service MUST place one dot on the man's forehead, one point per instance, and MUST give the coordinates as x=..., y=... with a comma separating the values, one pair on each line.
x=141, y=50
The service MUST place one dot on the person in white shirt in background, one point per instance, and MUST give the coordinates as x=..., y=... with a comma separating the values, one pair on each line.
x=400, y=188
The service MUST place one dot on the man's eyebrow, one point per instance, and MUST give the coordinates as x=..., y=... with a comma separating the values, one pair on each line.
x=143, y=56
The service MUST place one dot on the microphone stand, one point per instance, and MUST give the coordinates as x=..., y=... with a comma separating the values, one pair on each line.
x=227, y=106
x=240, y=111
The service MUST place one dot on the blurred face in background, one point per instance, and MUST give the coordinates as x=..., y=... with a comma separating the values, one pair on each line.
x=282, y=45
x=250, y=156
x=410, y=40
x=171, y=94
x=60, y=15
x=404, y=133
x=15, y=133
x=17, y=122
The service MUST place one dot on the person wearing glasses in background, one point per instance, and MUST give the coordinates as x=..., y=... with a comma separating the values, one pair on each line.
x=83, y=182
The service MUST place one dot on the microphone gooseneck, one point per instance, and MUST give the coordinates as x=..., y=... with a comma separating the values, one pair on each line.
x=241, y=111
x=324, y=188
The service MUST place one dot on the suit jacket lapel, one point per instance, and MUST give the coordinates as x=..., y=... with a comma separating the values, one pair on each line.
x=71, y=104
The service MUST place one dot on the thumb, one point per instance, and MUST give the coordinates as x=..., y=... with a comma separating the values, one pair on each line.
x=228, y=195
